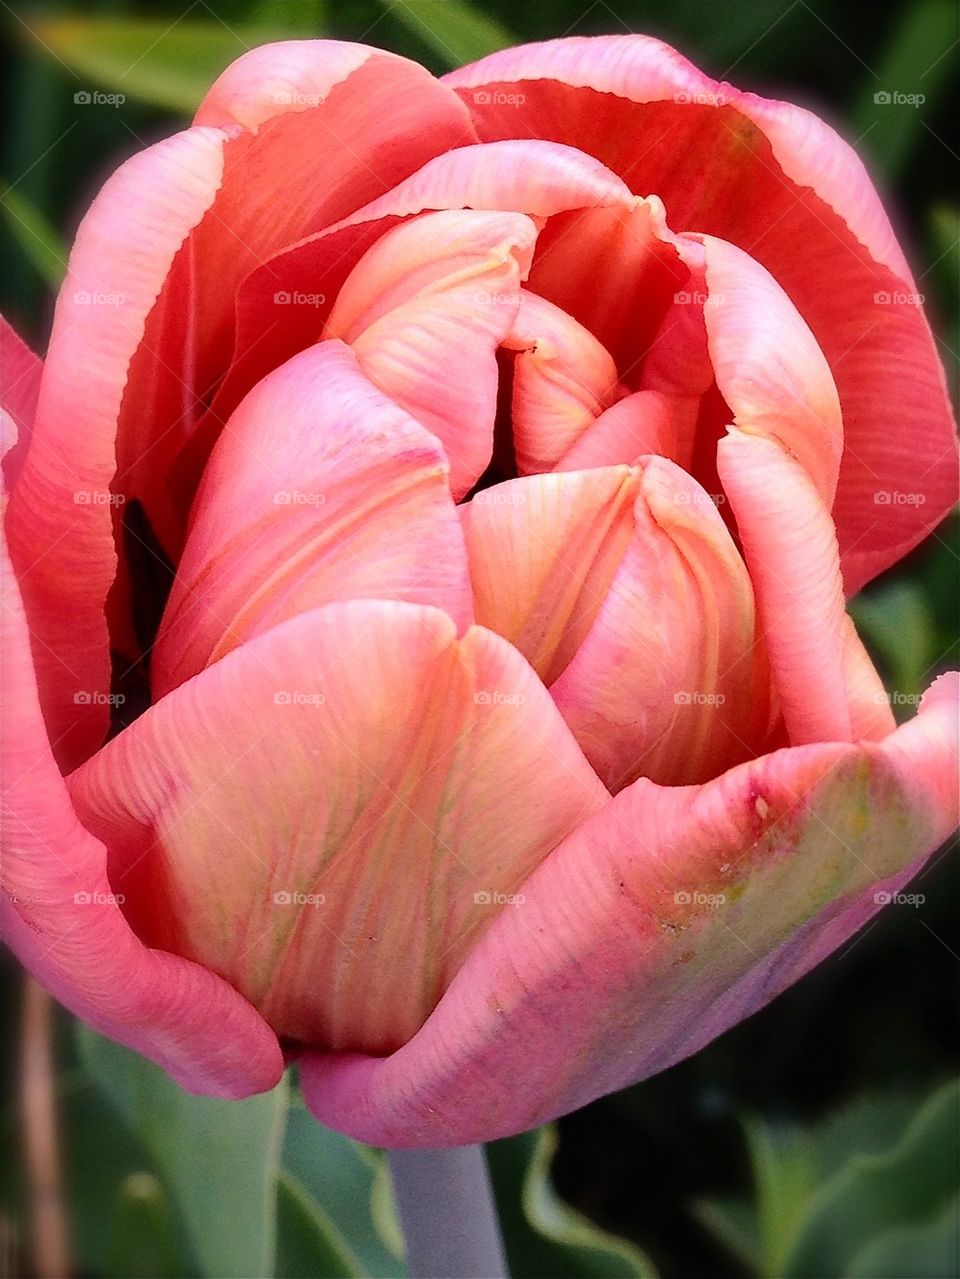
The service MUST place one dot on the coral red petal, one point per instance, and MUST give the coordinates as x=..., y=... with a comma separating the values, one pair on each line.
x=20, y=372
x=615, y=270
x=320, y=488
x=773, y=179
x=262, y=809
x=663, y=921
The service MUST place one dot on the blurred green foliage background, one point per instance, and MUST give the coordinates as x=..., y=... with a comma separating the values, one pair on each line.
x=818, y=1140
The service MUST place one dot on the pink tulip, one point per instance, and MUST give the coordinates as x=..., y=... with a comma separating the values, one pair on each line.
x=515, y=439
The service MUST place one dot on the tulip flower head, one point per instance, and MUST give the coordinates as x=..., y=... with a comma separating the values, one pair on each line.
x=446, y=680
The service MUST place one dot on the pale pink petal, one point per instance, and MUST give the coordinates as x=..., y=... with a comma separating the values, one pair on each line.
x=320, y=488
x=63, y=920
x=20, y=372
x=644, y=422
x=663, y=921
x=526, y=175
x=563, y=379
x=790, y=547
x=426, y=309
x=543, y=551
x=773, y=179
x=61, y=517
x=354, y=786
x=671, y=681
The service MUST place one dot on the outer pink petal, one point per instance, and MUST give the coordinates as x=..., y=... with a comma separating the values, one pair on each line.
x=61, y=918
x=663, y=921
x=61, y=517
x=781, y=184
x=20, y=372
x=671, y=680
x=425, y=310
x=332, y=814
x=320, y=488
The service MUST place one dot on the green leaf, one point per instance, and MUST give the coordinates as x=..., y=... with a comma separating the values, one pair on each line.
x=931, y=1250
x=791, y=1167
x=218, y=1160
x=542, y=1234
x=308, y=1243
x=784, y=1165
x=36, y=237
x=917, y=65
x=169, y=64
x=945, y=229
x=306, y=17
x=143, y=1238
x=98, y=1157
x=383, y=1209
x=339, y=1176
x=901, y=1188
x=895, y=623
x=455, y=30
x=735, y=1224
